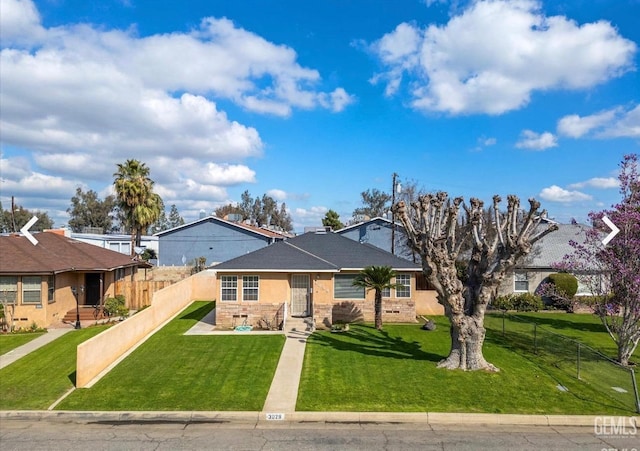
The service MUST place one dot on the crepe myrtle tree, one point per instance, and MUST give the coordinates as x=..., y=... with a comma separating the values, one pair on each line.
x=612, y=272
x=445, y=232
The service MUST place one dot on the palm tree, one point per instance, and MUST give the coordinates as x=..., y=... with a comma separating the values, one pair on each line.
x=376, y=278
x=140, y=206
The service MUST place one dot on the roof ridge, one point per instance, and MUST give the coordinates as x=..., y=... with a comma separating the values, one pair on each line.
x=311, y=254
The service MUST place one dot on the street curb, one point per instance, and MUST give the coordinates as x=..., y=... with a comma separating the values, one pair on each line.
x=428, y=418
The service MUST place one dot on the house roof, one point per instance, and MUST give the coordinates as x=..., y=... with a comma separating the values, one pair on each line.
x=317, y=252
x=376, y=220
x=56, y=253
x=238, y=225
x=552, y=248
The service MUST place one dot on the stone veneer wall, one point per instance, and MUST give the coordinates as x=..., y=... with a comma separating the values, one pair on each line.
x=229, y=315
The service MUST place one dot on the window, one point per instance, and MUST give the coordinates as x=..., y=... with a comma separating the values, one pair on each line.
x=343, y=287
x=9, y=289
x=51, y=288
x=31, y=289
x=250, y=288
x=403, y=290
x=120, y=273
x=520, y=282
x=229, y=288
x=422, y=284
x=386, y=292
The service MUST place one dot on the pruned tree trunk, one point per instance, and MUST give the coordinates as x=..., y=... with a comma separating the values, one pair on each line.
x=378, y=309
x=490, y=246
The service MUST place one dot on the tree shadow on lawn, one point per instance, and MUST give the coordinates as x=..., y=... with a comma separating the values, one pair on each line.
x=367, y=340
x=561, y=323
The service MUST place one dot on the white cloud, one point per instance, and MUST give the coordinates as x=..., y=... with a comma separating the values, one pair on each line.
x=536, y=141
x=597, y=182
x=82, y=98
x=277, y=194
x=618, y=122
x=467, y=65
x=575, y=126
x=556, y=194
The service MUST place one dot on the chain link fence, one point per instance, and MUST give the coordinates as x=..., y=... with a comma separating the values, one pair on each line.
x=569, y=356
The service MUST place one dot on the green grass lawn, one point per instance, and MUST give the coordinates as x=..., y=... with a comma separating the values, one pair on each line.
x=584, y=327
x=9, y=342
x=38, y=379
x=395, y=370
x=172, y=371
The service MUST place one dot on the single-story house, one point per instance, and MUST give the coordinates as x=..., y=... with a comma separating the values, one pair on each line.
x=379, y=232
x=116, y=242
x=311, y=276
x=545, y=254
x=213, y=238
x=43, y=282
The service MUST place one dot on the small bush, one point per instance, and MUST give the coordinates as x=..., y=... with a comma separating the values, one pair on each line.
x=521, y=302
x=565, y=282
x=116, y=306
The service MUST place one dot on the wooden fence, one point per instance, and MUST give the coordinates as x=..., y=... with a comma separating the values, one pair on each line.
x=139, y=293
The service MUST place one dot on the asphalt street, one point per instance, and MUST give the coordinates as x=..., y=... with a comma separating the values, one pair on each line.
x=176, y=435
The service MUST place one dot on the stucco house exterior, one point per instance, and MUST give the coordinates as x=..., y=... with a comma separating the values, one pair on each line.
x=211, y=237
x=39, y=280
x=311, y=276
x=551, y=249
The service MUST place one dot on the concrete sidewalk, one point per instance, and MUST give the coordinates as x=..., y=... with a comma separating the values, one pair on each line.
x=21, y=351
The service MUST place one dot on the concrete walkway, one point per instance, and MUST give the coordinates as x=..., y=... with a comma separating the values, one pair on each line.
x=283, y=393
x=21, y=351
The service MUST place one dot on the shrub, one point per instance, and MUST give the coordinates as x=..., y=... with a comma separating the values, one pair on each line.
x=521, y=302
x=565, y=282
x=116, y=306
x=503, y=302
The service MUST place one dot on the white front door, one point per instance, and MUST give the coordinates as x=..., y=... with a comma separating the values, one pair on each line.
x=299, y=295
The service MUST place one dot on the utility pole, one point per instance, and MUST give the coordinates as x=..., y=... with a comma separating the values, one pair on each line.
x=396, y=187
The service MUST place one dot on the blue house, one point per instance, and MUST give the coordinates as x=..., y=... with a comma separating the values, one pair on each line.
x=216, y=239
x=379, y=232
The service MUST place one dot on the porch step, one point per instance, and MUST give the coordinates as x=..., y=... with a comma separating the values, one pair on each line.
x=300, y=324
x=87, y=313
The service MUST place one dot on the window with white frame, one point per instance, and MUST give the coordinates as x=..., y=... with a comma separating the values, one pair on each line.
x=51, y=288
x=386, y=292
x=343, y=287
x=520, y=282
x=403, y=288
x=229, y=288
x=250, y=288
x=31, y=290
x=9, y=289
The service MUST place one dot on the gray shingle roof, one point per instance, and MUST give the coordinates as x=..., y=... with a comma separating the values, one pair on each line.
x=553, y=247
x=316, y=252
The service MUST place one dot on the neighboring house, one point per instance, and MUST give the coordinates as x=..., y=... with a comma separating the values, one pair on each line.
x=379, y=232
x=116, y=242
x=40, y=280
x=547, y=252
x=213, y=238
x=312, y=274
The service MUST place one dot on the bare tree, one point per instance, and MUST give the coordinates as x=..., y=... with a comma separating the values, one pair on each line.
x=491, y=246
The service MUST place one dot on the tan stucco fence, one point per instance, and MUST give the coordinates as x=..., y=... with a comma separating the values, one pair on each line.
x=98, y=353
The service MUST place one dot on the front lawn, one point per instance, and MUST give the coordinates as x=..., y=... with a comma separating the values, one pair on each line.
x=173, y=371
x=395, y=370
x=8, y=342
x=38, y=379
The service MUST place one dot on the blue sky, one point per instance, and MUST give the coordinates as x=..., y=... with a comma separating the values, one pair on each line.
x=313, y=102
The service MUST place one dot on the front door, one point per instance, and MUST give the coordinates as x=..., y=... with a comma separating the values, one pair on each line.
x=93, y=288
x=300, y=295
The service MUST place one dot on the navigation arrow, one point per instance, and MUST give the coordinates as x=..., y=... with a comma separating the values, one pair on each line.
x=25, y=230
x=614, y=230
